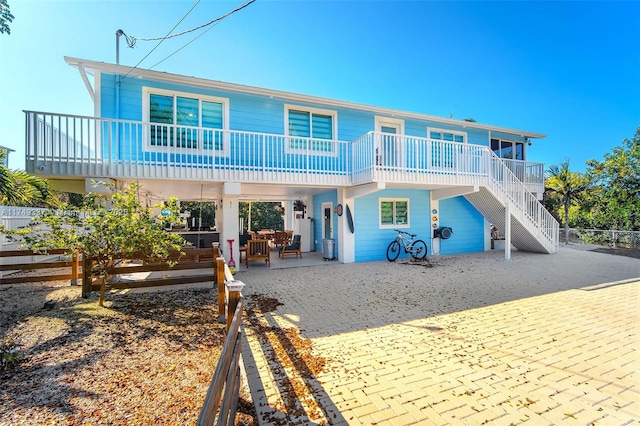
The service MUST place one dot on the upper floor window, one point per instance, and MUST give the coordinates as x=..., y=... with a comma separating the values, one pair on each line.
x=185, y=120
x=394, y=213
x=314, y=129
x=446, y=135
x=512, y=150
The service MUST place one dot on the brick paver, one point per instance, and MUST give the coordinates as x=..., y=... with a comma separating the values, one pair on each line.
x=542, y=350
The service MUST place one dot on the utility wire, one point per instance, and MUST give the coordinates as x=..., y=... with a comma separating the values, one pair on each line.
x=131, y=41
x=216, y=20
x=161, y=40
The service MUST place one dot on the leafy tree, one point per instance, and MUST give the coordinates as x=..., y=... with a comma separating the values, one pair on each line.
x=106, y=230
x=564, y=187
x=205, y=210
x=18, y=188
x=617, y=177
x=264, y=215
x=5, y=17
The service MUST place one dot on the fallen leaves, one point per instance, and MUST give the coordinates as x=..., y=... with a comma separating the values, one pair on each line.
x=146, y=358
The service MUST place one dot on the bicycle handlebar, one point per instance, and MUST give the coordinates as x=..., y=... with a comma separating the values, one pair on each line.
x=404, y=232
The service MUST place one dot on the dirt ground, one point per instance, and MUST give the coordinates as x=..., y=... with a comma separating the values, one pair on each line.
x=142, y=359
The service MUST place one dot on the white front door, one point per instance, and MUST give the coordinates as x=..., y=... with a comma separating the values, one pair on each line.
x=389, y=142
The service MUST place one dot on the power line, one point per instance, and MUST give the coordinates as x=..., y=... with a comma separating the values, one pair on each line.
x=161, y=39
x=132, y=40
x=216, y=20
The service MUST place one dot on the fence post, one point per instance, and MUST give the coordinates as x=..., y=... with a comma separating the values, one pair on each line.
x=74, y=268
x=216, y=250
x=235, y=292
x=219, y=273
x=86, y=275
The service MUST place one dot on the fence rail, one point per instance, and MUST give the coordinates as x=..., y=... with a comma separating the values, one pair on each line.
x=73, y=264
x=226, y=377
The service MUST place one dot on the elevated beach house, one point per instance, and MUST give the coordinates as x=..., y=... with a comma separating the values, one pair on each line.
x=359, y=171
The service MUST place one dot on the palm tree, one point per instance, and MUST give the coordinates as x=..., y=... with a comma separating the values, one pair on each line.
x=568, y=186
x=19, y=188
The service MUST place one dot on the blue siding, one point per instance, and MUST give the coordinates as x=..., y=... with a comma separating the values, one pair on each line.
x=256, y=113
x=327, y=197
x=467, y=224
x=371, y=241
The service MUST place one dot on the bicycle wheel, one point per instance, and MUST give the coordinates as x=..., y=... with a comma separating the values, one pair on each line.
x=393, y=251
x=418, y=250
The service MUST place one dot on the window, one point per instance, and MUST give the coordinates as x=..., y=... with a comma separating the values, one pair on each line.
x=394, y=213
x=185, y=120
x=314, y=128
x=508, y=149
x=444, y=154
x=446, y=135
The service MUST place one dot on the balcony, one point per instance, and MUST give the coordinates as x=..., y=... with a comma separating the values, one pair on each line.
x=60, y=145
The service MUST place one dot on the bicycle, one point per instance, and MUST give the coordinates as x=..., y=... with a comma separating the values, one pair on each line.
x=417, y=248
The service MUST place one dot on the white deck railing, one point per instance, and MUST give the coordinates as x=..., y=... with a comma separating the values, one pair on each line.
x=69, y=145
x=506, y=186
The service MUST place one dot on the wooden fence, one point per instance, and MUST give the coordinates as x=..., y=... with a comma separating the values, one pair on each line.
x=188, y=259
x=226, y=377
x=73, y=264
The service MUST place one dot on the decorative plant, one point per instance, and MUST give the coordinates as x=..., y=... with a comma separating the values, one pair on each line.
x=9, y=352
x=106, y=230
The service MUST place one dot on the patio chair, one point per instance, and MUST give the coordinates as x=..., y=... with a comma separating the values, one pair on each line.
x=292, y=249
x=280, y=239
x=257, y=250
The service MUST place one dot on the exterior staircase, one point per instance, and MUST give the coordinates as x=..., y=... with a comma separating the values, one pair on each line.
x=533, y=228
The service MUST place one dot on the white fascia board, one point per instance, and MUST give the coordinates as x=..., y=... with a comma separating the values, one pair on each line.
x=286, y=96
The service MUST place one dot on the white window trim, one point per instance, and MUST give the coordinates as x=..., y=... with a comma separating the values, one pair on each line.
x=396, y=226
x=453, y=132
x=312, y=110
x=381, y=121
x=146, y=93
x=398, y=147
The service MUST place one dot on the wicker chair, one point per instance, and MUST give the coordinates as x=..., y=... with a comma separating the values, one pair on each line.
x=292, y=249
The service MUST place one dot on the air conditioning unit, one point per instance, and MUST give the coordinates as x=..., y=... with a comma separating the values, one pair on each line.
x=444, y=232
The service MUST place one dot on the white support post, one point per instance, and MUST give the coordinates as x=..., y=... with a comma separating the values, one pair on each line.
x=507, y=231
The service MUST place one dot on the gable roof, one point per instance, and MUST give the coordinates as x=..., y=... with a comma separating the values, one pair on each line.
x=95, y=66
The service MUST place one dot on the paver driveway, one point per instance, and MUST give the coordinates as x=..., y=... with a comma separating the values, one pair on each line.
x=541, y=339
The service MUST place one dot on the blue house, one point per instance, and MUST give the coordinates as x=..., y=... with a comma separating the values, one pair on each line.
x=384, y=169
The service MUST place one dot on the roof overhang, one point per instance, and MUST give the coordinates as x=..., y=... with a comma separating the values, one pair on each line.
x=85, y=65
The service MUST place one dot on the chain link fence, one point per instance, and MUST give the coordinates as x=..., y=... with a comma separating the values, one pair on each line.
x=602, y=237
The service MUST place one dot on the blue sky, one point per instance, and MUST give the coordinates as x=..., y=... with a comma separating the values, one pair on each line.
x=570, y=70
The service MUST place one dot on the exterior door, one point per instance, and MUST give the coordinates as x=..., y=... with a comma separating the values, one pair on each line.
x=388, y=145
x=327, y=220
